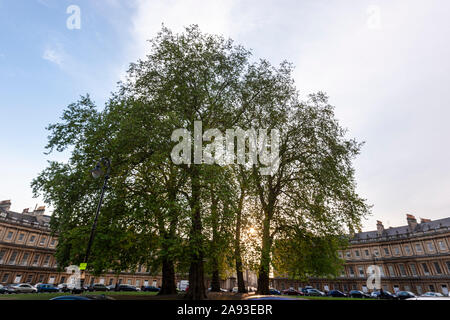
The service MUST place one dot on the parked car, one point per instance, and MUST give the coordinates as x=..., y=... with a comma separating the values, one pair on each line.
x=3, y=290
x=46, y=288
x=63, y=287
x=336, y=294
x=24, y=288
x=383, y=295
x=10, y=289
x=402, y=295
x=305, y=289
x=97, y=287
x=291, y=292
x=274, y=291
x=314, y=292
x=127, y=287
x=432, y=294
x=358, y=294
x=221, y=289
x=150, y=289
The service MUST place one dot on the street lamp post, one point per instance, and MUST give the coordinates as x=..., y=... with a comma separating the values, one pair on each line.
x=97, y=172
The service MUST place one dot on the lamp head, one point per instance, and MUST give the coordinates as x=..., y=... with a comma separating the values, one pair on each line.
x=97, y=172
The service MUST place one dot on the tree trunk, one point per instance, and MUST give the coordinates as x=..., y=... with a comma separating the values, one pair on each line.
x=264, y=269
x=215, y=281
x=237, y=249
x=168, y=278
x=196, y=289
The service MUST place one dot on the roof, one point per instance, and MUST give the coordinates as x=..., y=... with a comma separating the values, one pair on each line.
x=404, y=230
x=26, y=218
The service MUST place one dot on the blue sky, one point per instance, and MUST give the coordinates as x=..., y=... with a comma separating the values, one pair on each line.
x=384, y=64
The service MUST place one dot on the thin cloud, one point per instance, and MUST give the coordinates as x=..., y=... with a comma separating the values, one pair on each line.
x=53, y=56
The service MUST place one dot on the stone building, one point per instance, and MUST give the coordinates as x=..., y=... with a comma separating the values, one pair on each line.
x=27, y=248
x=414, y=257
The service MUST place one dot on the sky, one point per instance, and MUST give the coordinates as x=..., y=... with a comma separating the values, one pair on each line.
x=384, y=64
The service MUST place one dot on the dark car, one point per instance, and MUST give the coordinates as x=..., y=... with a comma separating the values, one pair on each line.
x=384, y=295
x=336, y=294
x=150, y=288
x=274, y=291
x=292, y=292
x=2, y=289
x=314, y=293
x=405, y=295
x=305, y=289
x=8, y=289
x=46, y=288
x=358, y=294
x=98, y=287
x=127, y=287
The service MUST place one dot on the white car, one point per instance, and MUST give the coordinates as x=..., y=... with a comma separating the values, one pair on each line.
x=432, y=294
x=24, y=288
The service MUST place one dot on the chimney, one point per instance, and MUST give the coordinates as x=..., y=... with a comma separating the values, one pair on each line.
x=5, y=204
x=422, y=220
x=412, y=222
x=380, y=228
x=25, y=210
x=39, y=211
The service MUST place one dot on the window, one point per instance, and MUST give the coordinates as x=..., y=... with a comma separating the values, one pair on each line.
x=397, y=250
x=408, y=251
x=413, y=269
x=418, y=247
x=53, y=242
x=138, y=283
x=351, y=271
x=12, y=259
x=21, y=236
x=407, y=288
x=357, y=253
x=41, y=278
x=2, y=254
x=348, y=254
x=5, y=277
x=448, y=266
x=46, y=261
x=437, y=267
x=426, y=271
x=120, y=281
x=366, y=252
x=442, y=245
x=402, y=270
x=111, y=281
x=430, y=246
x=376, y=252
x=391, y=271
x=42, y=241
x=9, y=236
x=431, y=287
x=25, y=259
x=361, y=271
x=29, y=278
x=32, y=239
x=63, y=280
x=129, y=281
x=386, y=251
x=419, y=289
x=36, y=259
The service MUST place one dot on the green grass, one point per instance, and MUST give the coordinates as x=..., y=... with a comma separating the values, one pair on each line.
x=48, y=296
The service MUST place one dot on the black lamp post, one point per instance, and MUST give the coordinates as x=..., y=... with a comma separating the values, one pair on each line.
x=97, y=172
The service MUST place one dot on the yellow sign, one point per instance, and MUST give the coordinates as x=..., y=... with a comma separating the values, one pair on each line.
x=83, y=266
